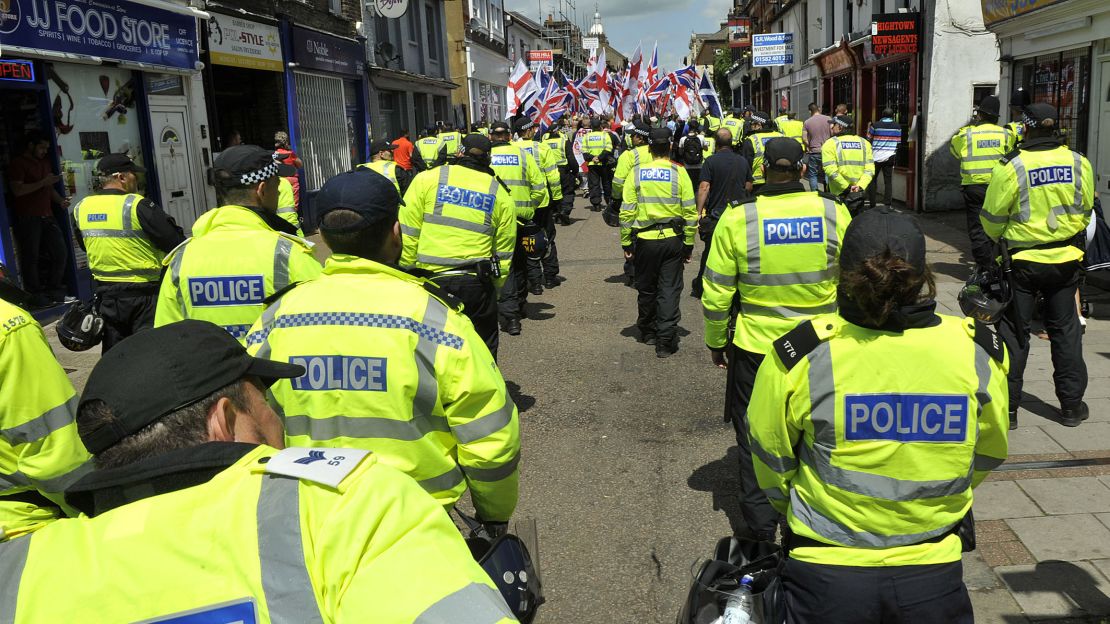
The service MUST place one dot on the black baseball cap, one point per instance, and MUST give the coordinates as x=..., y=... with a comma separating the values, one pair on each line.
x=159, y=371
x=250, y=164
x=476, y=143
x=366, y=192
x=878, y=229
x=117, y=163
x=381, y=145
x=1035, y=114
x=783, y=153
x=500, y=126
x=659, y=136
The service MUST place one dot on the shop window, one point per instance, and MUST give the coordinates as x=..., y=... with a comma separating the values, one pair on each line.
x=433, y=30
x=843, y=91
x=980, y=91
x=413, y=19
x=1062, y=80
x=892, y=90
x=324, y=140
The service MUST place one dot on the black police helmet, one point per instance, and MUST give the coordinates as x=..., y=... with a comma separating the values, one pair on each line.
x=82, y=327
x=982, y=298
x=533, y=239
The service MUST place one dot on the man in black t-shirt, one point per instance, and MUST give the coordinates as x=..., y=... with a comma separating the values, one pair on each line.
x=726, y=176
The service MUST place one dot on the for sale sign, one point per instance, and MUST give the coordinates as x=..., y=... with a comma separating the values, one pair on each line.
x=772, y=49
x=541, y=59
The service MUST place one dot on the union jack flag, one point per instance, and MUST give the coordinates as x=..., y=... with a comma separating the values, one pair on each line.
x=549, y=104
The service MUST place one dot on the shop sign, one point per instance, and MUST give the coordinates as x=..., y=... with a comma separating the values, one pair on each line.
x=236, y=42
x=17, y=71
x=316, y=50
x=740, y=32
x=772, y=49
x=390, y=8
x=995, y=11
x=895, y=33
x=119, y=31
x=836, y=60
x=541, y=59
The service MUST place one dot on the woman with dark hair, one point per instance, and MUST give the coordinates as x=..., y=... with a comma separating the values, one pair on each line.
x=869, y=428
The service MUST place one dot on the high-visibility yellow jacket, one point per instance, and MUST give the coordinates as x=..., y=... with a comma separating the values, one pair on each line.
x=735, y=125
x=792, y=128
x=1040, y=196
x=549, y=167
x=118, y=249
x=628, y=159
x=781, y=253
x=558, y=145
x=428, y=148
x=758, y=143
x=710, y=147
x=595, y=143
x=871, y=441
x=393, y=369
x=452, y=141
x=253, y=545
x=387, y=168
x=714, y=124
x=656, y=194
x=453, y=217
x=230, y=265
x=978, y=148
x=39, y=446
x=1015, y=134
x=847, y=160
x=287, y=204
x=521, y=173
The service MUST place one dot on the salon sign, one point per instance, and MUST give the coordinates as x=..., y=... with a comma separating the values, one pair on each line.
x=118, y=31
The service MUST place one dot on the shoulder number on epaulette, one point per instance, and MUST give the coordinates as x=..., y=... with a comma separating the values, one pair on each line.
x=327, y=466
x=990, y=341
x=796, y=344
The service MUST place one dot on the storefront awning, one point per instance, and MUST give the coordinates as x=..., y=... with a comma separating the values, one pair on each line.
x=394, y=79
x=174, y=8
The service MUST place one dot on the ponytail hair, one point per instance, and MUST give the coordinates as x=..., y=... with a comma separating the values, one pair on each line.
x=883, y=283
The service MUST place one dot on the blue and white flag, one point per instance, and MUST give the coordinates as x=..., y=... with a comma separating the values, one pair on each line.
x=709, y=96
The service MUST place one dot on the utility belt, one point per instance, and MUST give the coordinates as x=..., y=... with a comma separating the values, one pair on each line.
x=676, y=224
x=965, y=528
x=486, y=270
x=1078, y=240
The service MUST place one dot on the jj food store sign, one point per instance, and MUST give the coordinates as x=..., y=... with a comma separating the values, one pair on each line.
x=238, y=42
x=121, y=31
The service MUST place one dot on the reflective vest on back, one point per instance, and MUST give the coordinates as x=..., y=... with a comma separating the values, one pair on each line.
x=118, y=249
x=453, y=141
x=847, y=160
x=759, y=145
x=658, y=203
x=512, y=164
x=735, y=125
x=387, y=168
x=979, y=148
x=792, y=128
x=428, y=148
x=596, y=142
x=558, y=145
x=709, y=144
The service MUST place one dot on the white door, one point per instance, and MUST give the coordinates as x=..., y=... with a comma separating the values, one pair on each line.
x=174, y=165
x=1103, y=164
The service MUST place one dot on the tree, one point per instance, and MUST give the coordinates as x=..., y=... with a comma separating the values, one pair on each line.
x=722, y=63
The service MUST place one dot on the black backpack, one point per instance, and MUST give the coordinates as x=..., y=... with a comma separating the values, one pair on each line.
x=691, y=151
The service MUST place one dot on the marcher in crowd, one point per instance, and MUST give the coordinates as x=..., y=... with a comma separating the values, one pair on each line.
x=869, y=428
x=177, y=420
x=885, y=135
x=286, y=156
x=403, y=154
x=815, y=131
x=126, y=236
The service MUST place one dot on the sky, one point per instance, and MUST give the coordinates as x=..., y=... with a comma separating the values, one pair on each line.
x=627, y=22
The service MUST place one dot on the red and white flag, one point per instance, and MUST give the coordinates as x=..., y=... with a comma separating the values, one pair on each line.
x=521, y=87
x=628, y=103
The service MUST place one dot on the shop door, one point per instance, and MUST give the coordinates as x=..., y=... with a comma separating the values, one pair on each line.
x=1103, y=173
x=174, y=164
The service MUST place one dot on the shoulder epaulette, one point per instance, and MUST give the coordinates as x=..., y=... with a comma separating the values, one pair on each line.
x=990, y=341
x=438, y=292
x=304, y=242
x=279, y=293
x=796, y=344
x=1010, y=156
x=828, y=195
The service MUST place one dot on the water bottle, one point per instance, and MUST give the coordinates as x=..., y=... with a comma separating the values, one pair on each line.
x=739, y=608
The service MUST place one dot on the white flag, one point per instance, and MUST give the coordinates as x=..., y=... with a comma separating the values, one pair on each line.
x=521, y=86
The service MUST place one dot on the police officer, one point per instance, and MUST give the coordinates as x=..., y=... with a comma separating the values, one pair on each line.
x=240, y=253
x=778, y=256
x=381, y=161
x=183, y=437
x=755, y=142
x=516, y=167
x=1038, y=204
x=427, y=148
x=658, y=220
x=542, y=273
x=459, y=223
x=1016, y=128
x=557, y=142
x=383, y=386
x=869, y=428
x=40, y=453
x=450, y=141
x=790, y=126
x=126, y=237
x=849, y=163
x=287, y=204
x=630, y=158
x=978, y=146
x=597, y=149
x=735, y=123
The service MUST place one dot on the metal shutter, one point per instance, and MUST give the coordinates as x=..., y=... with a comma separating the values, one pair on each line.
x=322, y=114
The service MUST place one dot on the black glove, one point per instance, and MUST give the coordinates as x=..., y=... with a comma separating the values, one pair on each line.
x=492, y=530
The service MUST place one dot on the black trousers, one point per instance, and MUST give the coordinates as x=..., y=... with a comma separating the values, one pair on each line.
x=479, y=298
x=600, y=178
x=126, y=311
x=696, y=286
x=982, y=249
x=1058, y=284
x=514, y=294
x=758, y=513
x=885, y=169
x=42, y=255
x=914, y=594
x=658, y=265
x=568, y=181
x=545, y=270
